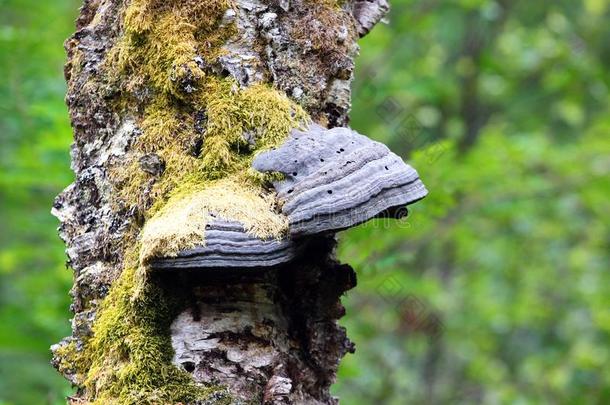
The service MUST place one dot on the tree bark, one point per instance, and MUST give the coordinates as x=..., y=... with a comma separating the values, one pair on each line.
x=259, y=336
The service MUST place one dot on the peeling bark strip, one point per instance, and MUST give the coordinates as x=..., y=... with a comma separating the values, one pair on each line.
x=191, y=285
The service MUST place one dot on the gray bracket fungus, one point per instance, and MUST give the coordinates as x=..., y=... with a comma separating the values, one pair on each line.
x=337, y=178
x=334, y=179
x=227, y=244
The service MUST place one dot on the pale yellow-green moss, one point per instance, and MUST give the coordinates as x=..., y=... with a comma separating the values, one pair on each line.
x=169, y=132
x=181, y=223
x=130, y=353
x=162, y=38
x=71, y=360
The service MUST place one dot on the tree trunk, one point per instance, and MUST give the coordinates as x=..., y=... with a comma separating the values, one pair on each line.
x=169, y=94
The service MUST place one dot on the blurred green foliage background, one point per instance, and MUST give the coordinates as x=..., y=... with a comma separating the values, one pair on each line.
x=496, y=290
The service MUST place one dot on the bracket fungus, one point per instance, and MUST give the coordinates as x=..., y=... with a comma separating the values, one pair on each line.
x=223, y=224
x=337, y=178
x=333, y=179
x=228, y=244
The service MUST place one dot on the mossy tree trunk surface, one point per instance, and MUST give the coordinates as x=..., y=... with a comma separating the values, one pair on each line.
x=173, y=97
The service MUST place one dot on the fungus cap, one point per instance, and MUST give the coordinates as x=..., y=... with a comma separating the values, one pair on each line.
x=338, y=178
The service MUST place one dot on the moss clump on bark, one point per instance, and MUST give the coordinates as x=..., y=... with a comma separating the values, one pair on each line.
x=129, y=356
x=166, y=43
x=71, y=360
x=238, y=123
x=181, y=223
x=201, y=126
x=204, y=130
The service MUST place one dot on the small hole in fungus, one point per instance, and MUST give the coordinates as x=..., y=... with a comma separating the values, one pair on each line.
x=325, y=172
x=296, y=161
x=294, y=173
x=189, y=366
x=387, y=168
x=330, y=191
x=321, y=160
x=290, y=191
x=342, y=150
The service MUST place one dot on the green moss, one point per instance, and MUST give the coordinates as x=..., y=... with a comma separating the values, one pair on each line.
x=264, y=113
x=162, y=38
x=71, y=360
x=129, y=353
x=158, y=51
x=128, y=358
x=170, y=132
x=181, y=223
x=195, y=122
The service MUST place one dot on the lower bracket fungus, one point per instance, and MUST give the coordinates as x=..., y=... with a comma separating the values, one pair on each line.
x=228, y=244
x=225, y=224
